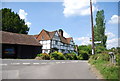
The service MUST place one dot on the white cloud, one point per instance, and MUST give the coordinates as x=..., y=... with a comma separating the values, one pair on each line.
x=65, y=34
x=28, y=23
x=112, y=43
x=114, y=19
x=23, y=15
x=83, y=40
x=86, y=41
x=77, y=7
x=110, y=34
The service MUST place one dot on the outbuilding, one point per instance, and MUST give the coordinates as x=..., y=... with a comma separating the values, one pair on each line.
x=19, y=46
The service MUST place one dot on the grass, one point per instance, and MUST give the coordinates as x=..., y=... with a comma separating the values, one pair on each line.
x=108, y=70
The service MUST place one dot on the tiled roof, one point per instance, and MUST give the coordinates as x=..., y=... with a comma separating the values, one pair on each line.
x=49, y=35
x=22, y=39
x=69, y=39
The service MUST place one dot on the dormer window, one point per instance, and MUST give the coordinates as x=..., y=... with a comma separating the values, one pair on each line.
x=42, y=37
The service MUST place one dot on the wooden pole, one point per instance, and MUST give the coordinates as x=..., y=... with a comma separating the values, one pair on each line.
x=93, y=49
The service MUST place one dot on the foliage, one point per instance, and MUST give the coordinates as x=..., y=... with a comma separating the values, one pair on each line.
x=86, y=48
x=102, y=63
x=43, y=56
x=99, y=49
x=70, y=56
x=11, y=22
x=84, y=52
x=57, y=56
x=83, y=55
x=99, y=28
x=117, y=59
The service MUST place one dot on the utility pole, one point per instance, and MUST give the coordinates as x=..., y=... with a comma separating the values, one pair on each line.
x=93, y=48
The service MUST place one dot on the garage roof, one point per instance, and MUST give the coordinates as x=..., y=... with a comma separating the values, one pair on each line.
x=22, y=39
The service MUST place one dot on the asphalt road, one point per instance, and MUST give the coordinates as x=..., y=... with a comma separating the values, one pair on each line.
x=46, y=69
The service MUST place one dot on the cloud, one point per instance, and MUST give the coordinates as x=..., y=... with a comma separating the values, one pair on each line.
x=112, y=43
x=28, y=24
x=110, y=34
x=23, y=15
x=77, y=7
x=86, y=41
x=114, y=19
x=83, y=40
x=65, y=34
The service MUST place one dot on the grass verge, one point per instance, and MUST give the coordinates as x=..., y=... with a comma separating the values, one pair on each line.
x=108, y=70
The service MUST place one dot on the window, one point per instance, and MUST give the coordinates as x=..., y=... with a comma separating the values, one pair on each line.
x=9, y=51
x=42, y=37
x=56, y=42
x=46, y=51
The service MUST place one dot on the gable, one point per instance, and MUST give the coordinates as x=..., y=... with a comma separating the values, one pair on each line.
x=43, y=35
x=56, y=36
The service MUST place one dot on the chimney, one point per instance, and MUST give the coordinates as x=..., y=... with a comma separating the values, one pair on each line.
x=61, y=32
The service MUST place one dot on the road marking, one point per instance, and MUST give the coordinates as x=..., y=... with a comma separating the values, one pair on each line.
x=63, y=62
x=57, y=62
x=26, y=63
x=43, y=63
x=15, y=63
x=52, y=63
x=36, y=63
x=74, y=61
x=3, y=64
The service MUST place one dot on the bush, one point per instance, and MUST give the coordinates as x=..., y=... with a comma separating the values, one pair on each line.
x=43, y=56
x=102, y=56
x=83, y=55
x=57, y=56
x=99, y=49
x=70, y=56
x=117, y=59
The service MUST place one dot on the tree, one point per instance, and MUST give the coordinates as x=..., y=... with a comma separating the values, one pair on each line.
x=99, y=29
x=86, y=48
x=11, y=22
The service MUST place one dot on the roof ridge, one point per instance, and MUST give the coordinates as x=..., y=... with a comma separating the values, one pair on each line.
x=15, y=33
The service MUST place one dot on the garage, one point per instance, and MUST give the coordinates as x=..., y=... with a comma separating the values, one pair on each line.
x=19, y=46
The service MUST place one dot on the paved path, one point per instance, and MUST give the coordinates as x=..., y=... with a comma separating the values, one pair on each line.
x=36, y=69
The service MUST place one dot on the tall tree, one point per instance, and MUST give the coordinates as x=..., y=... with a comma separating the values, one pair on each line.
x=99, y=28
x=11, y=22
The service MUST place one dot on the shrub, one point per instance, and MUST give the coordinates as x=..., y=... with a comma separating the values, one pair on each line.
x=99, y=49
x=117, y=59
x=83, y=55
x=43, y=56
x=70, y=56
x=57, y=56
x=102, y=56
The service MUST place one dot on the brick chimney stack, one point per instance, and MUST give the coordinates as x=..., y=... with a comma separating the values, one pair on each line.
x=61, y=32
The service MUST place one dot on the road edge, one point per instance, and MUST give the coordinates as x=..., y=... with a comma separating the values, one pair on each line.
x=94, y=70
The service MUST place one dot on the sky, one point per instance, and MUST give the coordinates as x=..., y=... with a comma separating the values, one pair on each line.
x=73, y=16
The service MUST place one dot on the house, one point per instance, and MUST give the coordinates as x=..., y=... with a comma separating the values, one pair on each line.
x=19, y=46
x=55, y=41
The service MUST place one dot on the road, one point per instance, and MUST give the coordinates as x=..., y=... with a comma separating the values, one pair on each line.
x=46, y=69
